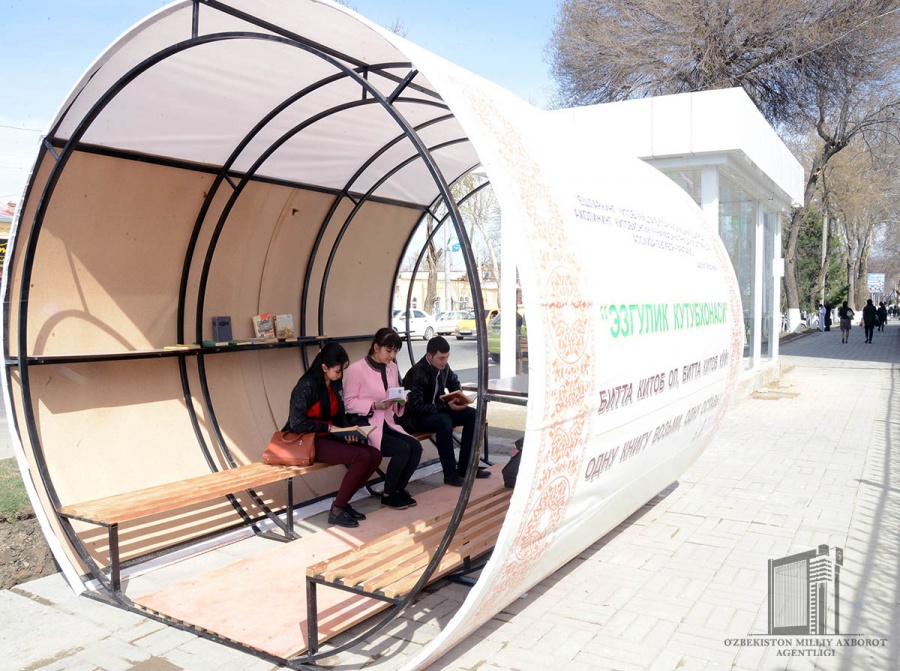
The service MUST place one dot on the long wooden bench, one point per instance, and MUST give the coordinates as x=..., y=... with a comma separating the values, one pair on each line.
x=388, y=567
x=110, y=511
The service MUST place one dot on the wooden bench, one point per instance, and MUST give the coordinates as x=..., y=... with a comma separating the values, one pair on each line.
x=388, y=567
x=110, y=511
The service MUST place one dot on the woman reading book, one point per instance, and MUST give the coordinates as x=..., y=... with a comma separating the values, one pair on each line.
x=317, y=406
x=366, y=393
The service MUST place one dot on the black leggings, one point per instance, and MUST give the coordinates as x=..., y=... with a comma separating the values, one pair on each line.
x=405, y=453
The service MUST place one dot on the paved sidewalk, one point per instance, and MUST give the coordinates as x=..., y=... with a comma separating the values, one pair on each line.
x=682, y=584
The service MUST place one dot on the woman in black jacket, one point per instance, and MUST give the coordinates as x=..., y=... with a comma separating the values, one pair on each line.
x=845, y=314
x=317, y=405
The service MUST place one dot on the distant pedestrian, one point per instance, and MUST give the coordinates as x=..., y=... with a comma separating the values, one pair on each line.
x=821, y=317
x=827, y=317
x=845, y=314
x=869, y=315
x=882, y=316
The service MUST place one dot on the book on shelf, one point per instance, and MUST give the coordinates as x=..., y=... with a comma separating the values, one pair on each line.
x=216, y=343
x=263, y=326
x=361, y=432
x=221, y=328
x=180, y=347
x=284, y=326
x=458, y=396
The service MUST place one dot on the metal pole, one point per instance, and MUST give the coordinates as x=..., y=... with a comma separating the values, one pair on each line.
x=447, y=304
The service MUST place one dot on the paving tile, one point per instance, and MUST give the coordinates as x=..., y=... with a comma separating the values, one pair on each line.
x=33, y=633
x=112, y=655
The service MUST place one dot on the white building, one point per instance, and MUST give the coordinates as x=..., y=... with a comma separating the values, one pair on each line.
x=724, y=153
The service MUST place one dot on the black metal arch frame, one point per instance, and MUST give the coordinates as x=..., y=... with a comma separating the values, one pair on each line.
x=439, y=225
x=359, y=75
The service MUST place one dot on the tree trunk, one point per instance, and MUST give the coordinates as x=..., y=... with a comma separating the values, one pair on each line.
x=791, y=288
x=823, y=262
x=432, y=265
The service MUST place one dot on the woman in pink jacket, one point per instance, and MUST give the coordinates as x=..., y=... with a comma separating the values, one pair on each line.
x=366, y=385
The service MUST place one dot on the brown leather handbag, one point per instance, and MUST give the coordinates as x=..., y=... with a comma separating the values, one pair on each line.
x=291, y=449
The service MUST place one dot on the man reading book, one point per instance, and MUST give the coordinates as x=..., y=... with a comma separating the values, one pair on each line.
x=430, y=378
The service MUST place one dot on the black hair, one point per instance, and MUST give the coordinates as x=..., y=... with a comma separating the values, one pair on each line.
x=386, y=337
x=331, y=355
x=437, y=344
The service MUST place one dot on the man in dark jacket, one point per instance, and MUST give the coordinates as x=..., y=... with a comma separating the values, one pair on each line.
x=430, y=378
x=869, y=315
x=882, y=316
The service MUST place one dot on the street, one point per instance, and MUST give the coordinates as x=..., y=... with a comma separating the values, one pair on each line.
x=463, y=358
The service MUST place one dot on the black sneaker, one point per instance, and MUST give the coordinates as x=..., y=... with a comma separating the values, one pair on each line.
x=354, y=513
x=482, y=473
x=342, y=518
x=455, y=480
x=395, y=501
x=410, y=501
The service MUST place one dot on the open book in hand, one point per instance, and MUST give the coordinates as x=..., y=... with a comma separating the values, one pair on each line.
x=361, y=432
x=458, y=397
x=397, y=394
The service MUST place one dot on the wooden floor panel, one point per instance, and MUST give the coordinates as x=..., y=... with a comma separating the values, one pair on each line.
x=260, y=602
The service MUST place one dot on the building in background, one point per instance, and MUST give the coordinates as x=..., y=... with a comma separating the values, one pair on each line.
x=7, y=212
x=453, y=294
x=727, y=157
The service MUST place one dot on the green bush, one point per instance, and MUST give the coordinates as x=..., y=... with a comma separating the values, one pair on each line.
x=14, y=504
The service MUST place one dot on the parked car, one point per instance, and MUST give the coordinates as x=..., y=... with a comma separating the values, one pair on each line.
x=446, y=322
x=420, y=323
x=466, y=326
x=493, y=339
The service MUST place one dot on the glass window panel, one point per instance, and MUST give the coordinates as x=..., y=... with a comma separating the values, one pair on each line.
x=737, y=228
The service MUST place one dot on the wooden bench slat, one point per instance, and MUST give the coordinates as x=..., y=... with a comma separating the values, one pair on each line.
x=474, y=547
x=410, y=570
x=375, y=550
x=352, y=565
x=389, y=566
x=407, y=551
x=418, y=553
x=171, y=496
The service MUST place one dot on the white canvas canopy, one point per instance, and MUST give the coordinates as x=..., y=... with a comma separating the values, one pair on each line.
x=249, y=156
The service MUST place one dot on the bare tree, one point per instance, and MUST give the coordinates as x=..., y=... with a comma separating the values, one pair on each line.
x=481, y=214
x=434, y=261
x=397, y=26
x=864, y=196
x=827, y=65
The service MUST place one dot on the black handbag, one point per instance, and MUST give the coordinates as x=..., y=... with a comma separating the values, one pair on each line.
x=511, y=469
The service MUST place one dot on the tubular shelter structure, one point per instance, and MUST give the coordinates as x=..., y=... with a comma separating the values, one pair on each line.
x=238, y=157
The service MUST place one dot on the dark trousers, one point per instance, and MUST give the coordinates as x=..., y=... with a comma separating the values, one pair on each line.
x=405, y=453
x=441, y=424
x=870, y=331
x=360, y=458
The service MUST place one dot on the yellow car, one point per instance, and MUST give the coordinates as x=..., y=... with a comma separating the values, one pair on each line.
x=467, y=326
x=493, y=340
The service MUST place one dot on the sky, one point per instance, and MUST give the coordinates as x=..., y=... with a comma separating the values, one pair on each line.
x=46, y=45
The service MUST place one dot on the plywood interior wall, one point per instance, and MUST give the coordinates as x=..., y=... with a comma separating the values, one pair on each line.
x=107, y=271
